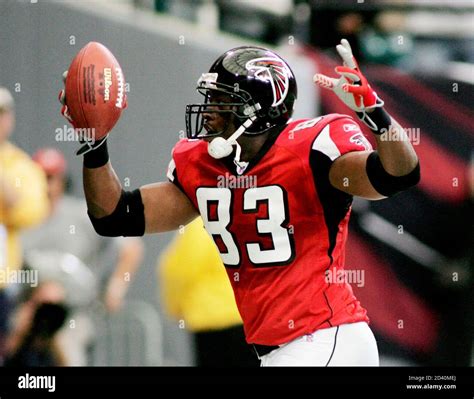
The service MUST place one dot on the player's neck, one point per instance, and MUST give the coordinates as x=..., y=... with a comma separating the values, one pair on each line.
x=251, y=146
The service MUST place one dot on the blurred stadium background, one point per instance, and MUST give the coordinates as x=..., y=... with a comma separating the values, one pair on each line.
x=416, y=250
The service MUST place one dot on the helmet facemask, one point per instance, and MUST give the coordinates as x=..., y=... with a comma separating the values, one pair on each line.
x=241, y=106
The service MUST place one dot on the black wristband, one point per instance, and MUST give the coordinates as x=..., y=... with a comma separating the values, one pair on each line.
x=97, y=157
x=379, y=117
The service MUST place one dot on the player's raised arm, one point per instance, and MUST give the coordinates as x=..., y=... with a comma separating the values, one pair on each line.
x=394, y=167
x=153, y=208
x=114, y=212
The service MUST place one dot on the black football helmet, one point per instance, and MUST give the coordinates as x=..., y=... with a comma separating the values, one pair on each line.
x=261, y=87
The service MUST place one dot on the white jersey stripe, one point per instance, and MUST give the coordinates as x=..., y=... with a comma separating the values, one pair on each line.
x=171, y=168
x=324, y=144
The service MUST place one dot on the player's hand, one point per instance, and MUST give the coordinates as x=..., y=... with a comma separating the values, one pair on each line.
x=352, y=86
x=62, y=100
x=88, y=145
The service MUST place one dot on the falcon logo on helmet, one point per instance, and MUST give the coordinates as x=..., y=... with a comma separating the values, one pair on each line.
x=276, y=72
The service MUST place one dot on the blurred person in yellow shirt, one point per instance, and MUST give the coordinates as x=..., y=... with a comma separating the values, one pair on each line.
x=111, y=261
x=23, y=203
x=196, y=291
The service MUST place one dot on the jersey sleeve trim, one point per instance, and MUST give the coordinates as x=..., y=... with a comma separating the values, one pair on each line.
x=171, y=174
x=326, y=145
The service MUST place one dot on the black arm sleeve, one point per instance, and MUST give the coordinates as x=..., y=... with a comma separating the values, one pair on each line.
x=386, y=184
x=128, y=218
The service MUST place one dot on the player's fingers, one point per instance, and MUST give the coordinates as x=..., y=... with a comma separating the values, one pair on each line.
x=346, y=55
x=355, y=89
x=348, y=73
x=64, y=76
x=62, y=97
x=345, y=51
x=65, y=112
x=325, y=81
x=345, y=43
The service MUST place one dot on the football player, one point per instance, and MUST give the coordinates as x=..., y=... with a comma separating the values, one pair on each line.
x=282, y=232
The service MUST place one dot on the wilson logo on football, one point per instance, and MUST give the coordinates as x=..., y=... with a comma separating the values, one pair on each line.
x=107, y=83
x=276, y=72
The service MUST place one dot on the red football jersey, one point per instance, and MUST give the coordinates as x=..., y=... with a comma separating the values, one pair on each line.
x=280, y=227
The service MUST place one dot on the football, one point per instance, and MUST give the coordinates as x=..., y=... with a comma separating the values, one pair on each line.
x=95, y=90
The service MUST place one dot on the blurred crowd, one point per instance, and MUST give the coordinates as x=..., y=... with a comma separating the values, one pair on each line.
x=415, y=36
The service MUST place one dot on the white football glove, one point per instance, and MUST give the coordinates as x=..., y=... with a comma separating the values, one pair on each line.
x=352, y=87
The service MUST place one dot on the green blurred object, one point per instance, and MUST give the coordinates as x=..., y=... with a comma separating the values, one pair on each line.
x=161, y=5
x=389, y=49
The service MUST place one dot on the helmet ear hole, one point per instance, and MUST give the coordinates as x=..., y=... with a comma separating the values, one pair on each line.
x=274, y=113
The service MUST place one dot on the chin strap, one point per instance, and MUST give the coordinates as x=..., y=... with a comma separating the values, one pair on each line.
x=241, y=165
x=232, y=140
x=221, y=148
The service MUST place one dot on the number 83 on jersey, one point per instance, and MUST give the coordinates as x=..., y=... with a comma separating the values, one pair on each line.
x=220, y=223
